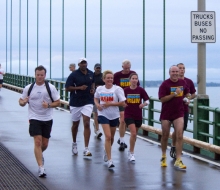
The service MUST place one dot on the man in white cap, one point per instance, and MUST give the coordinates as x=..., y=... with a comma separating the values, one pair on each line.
x=81, y=85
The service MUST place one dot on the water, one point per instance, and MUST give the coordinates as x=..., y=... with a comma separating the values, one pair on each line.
x=212, y=92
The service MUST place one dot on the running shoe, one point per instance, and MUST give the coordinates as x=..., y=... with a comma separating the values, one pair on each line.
x=122, y=147
x=173, y=152
x=131, y=157
x=110, y=164
x=105, y=158
x=98, y=134
x=86, y=152
x=179, y=164
x=41, y=172
x=163, y=162
x=125, y=146
x=74, y=149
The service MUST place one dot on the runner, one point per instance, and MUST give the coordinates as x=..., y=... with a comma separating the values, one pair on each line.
x=107, y=98
x=135, y=96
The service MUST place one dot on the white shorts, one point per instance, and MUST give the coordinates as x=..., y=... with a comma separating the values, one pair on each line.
x=76, y=112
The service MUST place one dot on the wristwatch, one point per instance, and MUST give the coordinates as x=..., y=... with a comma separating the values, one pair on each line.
x=48, y=105
x=175, y=93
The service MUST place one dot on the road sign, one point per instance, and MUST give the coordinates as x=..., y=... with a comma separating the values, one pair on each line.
x=203, y=27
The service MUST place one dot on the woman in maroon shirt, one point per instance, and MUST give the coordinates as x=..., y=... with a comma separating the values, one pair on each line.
x=133, y=111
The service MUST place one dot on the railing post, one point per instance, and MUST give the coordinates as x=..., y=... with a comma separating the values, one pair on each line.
x=216, y=130
x=201, y=100
x=150, y=112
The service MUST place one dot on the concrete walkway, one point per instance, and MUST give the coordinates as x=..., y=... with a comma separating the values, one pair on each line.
x=67, y=172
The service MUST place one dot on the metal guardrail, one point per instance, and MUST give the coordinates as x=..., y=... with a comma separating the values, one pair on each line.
x=199, y=115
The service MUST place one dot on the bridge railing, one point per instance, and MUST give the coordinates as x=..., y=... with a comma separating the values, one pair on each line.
x=203, y=130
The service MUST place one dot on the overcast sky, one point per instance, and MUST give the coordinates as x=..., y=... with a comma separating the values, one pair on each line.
x=122, y=36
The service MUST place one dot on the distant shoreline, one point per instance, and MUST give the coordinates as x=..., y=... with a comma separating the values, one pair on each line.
x=158, y=83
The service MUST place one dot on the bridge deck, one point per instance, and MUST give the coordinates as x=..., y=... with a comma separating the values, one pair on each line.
x=65, y=171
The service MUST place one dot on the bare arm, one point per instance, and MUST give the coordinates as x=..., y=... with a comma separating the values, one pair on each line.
x=23, y=102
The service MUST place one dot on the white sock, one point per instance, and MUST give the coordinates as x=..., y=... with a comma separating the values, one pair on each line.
x=121, y=139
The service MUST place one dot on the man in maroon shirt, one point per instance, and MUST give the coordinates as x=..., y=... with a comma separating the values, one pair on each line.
x=171, y=93
x=121, y=79
x=192, y=91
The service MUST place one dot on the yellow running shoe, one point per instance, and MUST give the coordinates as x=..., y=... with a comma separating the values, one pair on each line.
x=163, y=161
x=179, y=164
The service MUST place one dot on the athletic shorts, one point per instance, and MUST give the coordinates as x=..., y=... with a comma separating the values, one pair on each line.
x=130, y=121
x=104, y=120
x=121, y=108
x=1, y=81
x=186, y=118
x=76, y=112
x=42, y=128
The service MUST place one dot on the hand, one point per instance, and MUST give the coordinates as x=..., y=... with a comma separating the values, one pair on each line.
x=45, y=104
x=99, y=107
x=92, y=91
x=83, y=87
x=178, y=91
x=141, y=106
x=25, y=101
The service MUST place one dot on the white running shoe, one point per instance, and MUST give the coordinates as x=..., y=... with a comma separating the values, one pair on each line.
x=86, y=152
x=105, y=158
x=41, y=172
x=110, y=164
x=131, y=157
x=74, y=149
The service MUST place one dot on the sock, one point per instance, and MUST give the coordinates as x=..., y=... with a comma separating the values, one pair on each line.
x=121, y=139
x=164, y=156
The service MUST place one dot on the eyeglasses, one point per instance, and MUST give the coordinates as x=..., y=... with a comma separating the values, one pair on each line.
x=98, y=67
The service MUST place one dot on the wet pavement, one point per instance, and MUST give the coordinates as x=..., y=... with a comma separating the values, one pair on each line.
x=67, y=172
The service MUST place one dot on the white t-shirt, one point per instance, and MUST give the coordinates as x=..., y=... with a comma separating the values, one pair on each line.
x=37, y=96
x=1, y=71
x=114, y=94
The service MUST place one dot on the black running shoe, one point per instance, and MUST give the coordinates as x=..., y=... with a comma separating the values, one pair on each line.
x=173, y=152
x=122, y=147
x=120, y=143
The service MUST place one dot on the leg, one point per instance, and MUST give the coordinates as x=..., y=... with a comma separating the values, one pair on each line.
x=86, y=122
x=133, y=131
x=108, y=139
x=38, y=146
x=122, y=125
x=96, y=124
x=165, y=135
x=74, y=130
x=45, y=143
x=178, y=127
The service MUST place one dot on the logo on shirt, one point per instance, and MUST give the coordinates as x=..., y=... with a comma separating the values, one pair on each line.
x=106, y=97
x=124, y=82
x=173, y=89
x=133, y=98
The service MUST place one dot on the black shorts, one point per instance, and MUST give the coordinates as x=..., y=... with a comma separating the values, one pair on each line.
x=1, y=81
x=104, y=120
x=42, y=128
x=186, y=118
x=130, y=121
